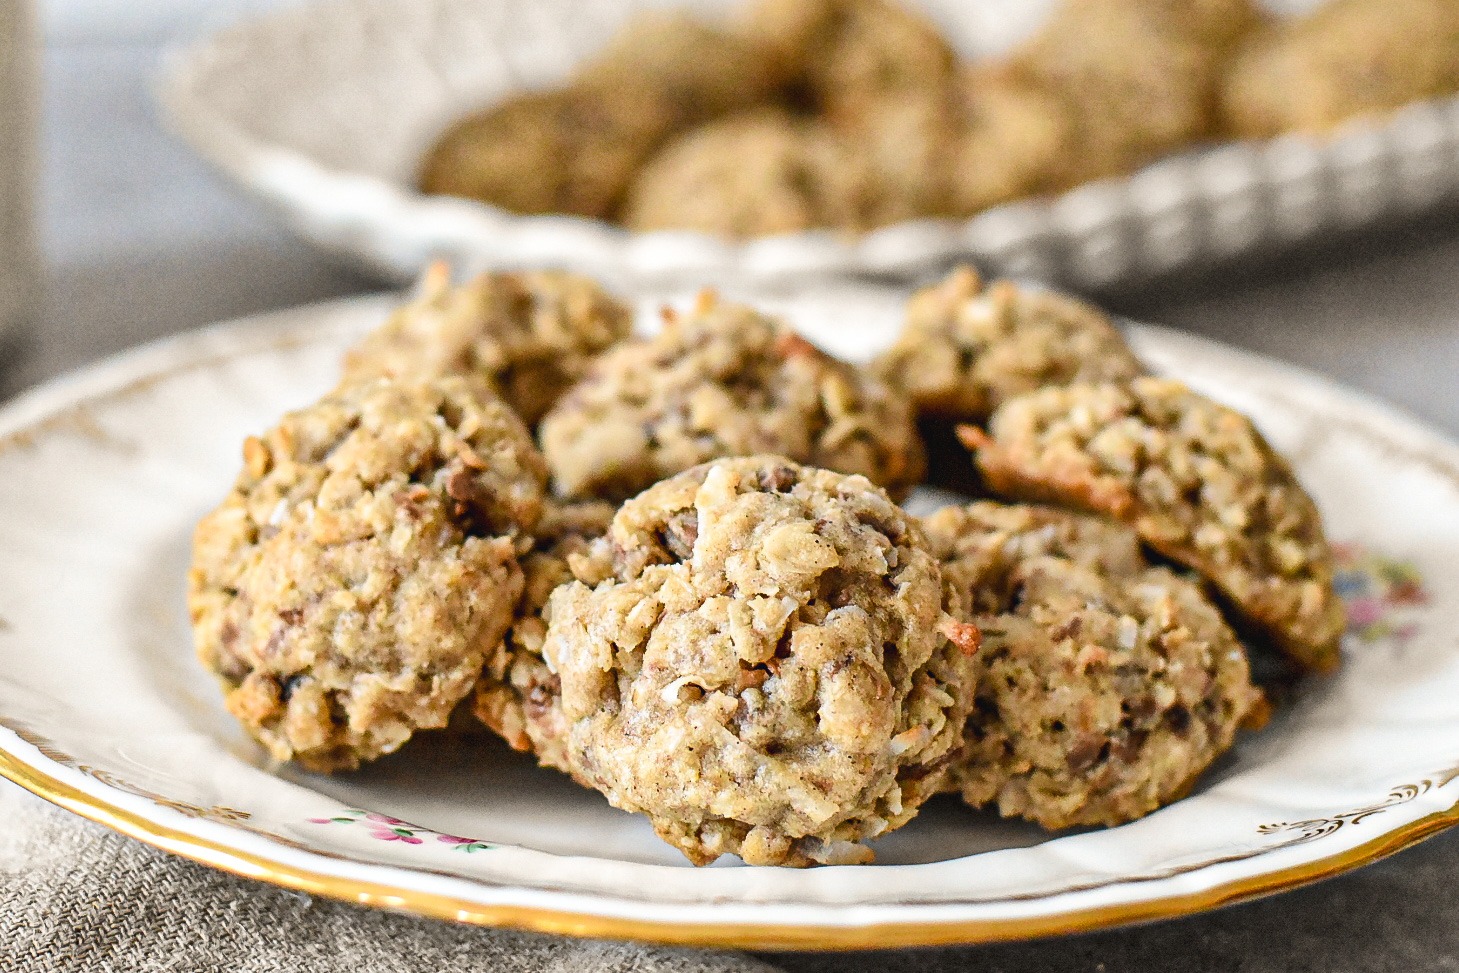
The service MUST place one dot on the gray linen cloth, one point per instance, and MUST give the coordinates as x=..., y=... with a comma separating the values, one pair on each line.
x=75, y=896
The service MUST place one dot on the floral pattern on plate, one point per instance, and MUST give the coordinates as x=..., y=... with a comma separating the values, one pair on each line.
x=1384, y=597
x=386, y=828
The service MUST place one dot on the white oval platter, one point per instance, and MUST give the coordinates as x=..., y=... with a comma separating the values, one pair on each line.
x=103, y=709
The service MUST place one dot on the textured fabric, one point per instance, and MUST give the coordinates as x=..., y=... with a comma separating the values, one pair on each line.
x=75, y=896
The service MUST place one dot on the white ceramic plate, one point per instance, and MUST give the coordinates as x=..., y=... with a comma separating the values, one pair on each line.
x=325, y=111
x=103, y=709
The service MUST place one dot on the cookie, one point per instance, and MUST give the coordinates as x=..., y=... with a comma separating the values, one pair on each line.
x=530, y=334
x=844, y=54
x=1137, y=77
x=724, y=380
x=1195, y=480
x=1013, y=141
x=347, y=590
x=966, y=349
x=957, y=149
x=568, y=151
x=518, y=695
x=1103, y=686
x=1348, y=59
x=766, y=674
x=701, y=70
x=758, y=174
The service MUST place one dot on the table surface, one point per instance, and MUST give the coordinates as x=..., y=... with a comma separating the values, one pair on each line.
x=141, y=240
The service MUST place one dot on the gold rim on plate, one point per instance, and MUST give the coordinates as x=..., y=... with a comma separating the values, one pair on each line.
x=726, y=935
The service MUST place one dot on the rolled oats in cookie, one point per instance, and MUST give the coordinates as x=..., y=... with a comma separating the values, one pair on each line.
x=530, y=334
x=767, y=673
x=1196, y=481
x=846, y=53
x=1347, y=59
x=348, y=589
x=759, y=173
x=724, y=380
x=570, y=150
x=518, y=694
x=1103, y=686
x=965, y=348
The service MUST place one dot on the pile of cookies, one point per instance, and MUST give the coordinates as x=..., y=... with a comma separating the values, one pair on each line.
x=675, y=567
x=855, y=114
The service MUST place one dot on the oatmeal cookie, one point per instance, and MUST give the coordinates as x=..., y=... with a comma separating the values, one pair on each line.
x=1013, y=140
x=966, y=349
x=757, y=174
x=1194, y=479
x=843, y=54
x=959, y=148
x=571, y=151
x=1138, y=76
x=518, y=695
x=1103, y=686
x=766, y=674
x=703, y=71
x=348, y=589
x=530, y=334
x=724, y=380
x=1347, y=59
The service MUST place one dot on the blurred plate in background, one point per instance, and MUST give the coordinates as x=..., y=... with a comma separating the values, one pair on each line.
x=324, y=112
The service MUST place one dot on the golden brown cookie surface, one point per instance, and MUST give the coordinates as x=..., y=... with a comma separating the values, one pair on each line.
x=518, y=695
x=1195, y=480
x=1103, y=686
x=765, y=674
x=347, y=590
x=724, y=380
x=1347, y=59
x=966, y=349
x=761, y=173
x=529, y=334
